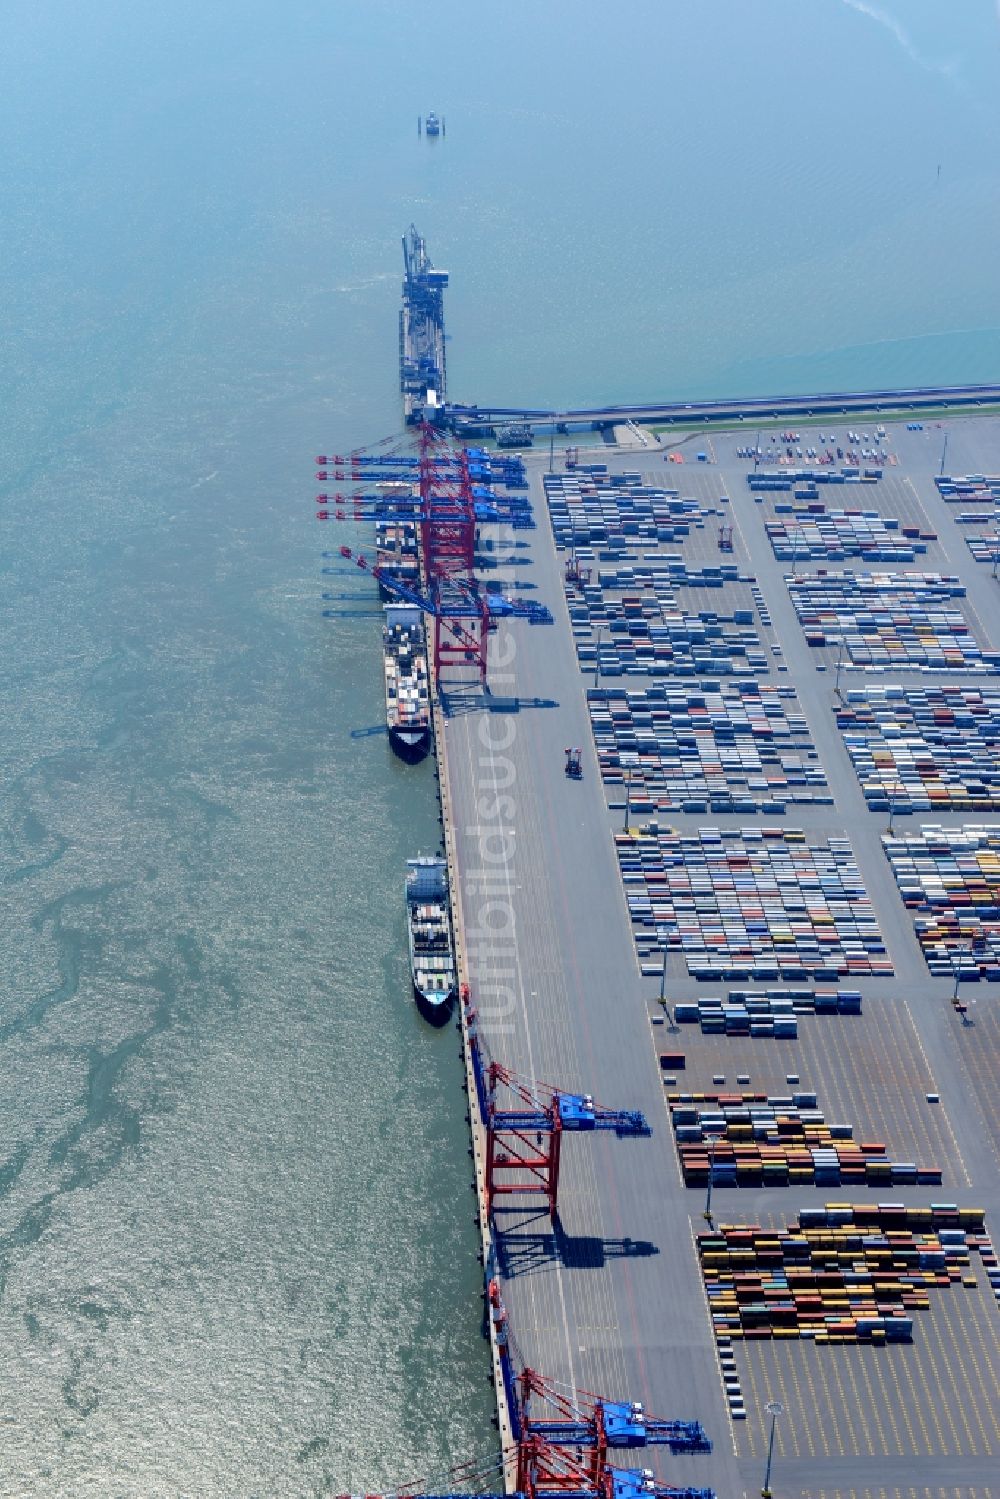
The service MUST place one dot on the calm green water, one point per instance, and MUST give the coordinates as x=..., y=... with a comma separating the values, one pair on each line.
x=236, y=1245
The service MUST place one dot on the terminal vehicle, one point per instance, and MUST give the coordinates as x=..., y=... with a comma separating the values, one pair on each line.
x=573, y=767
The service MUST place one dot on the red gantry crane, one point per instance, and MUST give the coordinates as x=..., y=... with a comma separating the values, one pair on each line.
x=525, y=1122
x=450, y=606
x=547, y=1418
x=561, y=1450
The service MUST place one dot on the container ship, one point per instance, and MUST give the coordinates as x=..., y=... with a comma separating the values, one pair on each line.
x=396, y=555
x=407, y=692
x=432, y=954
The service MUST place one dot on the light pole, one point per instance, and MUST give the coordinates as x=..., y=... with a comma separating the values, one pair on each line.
x=597, y=657
x=996, y=556
x=957, y=970
x=774, y=1409
x=892, y=808
x=707, y=1214
x=944, y=452
x=756, y=451
x=840, y=662
x=664, y=937
x=630, y=763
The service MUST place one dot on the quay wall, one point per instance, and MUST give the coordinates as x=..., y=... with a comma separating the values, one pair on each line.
x=477, y=1125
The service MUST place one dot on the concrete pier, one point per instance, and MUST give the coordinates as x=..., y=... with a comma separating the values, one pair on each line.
x=723, y=412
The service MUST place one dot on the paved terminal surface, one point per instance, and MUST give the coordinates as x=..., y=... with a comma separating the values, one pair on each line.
x=610, y=1298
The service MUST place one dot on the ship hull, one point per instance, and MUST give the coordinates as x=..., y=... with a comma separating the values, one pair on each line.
x=435, y=1011
x=410, y=744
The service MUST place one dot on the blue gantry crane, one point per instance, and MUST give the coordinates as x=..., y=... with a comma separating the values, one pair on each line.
x=488, y=508
x=558, y=1478
x=504, y=468
x=524, y=1140
x=578, y=1419
x=446, y=493
x=498, y=605
x=461, y=618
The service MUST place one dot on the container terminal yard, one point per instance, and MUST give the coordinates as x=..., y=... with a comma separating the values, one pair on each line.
x=611, y=1298
x=763, y=922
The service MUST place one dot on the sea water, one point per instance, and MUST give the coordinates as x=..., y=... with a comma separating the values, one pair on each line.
x=237, y=1252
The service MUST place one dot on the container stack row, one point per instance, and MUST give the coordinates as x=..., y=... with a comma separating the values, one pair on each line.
x=666, y=573
x=799, y=534
x=972, y=517
x=660, y=638
x=924, y=749
x=890, y=620
x=985, y=547
x=618, y=511
x=844, y=1273
x=965, y=489
x=950, y=879
x=768, y=1012
x=804, y=482
x=743, y=747
x=751, y=904
x=752, y=1140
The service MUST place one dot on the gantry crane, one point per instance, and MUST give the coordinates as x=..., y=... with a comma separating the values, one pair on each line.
x=507, y=469
x=461, y=618
x=524, y=1139
x=448, y=508
x=449, y=606
x=562, y=1452
x=579, y=1419
x=488, y=508
x=554, y=1475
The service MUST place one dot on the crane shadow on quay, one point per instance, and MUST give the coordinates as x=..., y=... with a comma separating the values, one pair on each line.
x=490, y=562
x=458, y=701
x=539, y=1243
